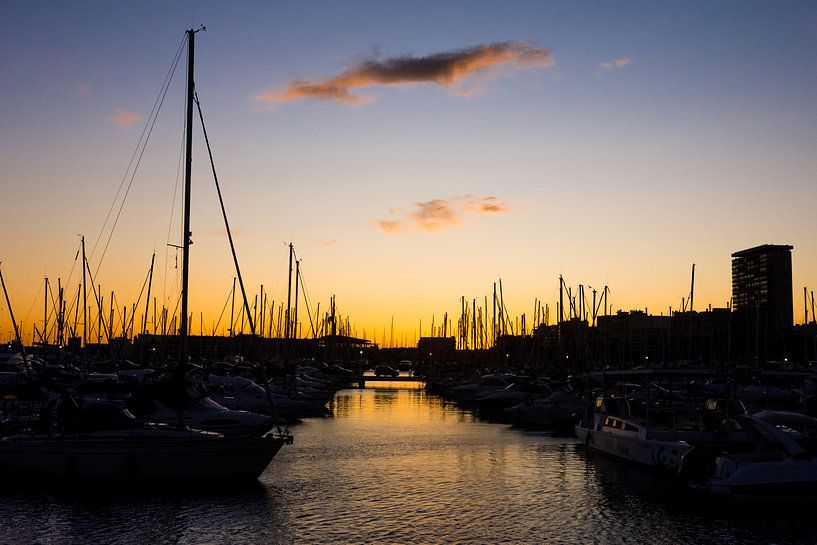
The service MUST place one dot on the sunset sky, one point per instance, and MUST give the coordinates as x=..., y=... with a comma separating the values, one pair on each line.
x=413, y=152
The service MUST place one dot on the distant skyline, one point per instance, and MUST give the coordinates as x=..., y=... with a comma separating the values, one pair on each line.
x=413, y=152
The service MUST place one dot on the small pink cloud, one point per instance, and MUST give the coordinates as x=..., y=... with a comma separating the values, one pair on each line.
x=487, y=205
x=82, y=89
x=440, y=214
x=123, y=118
x=389, y=226
x=616, y=64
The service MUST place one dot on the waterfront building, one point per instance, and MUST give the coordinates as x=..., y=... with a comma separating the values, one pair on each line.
x=762, y=301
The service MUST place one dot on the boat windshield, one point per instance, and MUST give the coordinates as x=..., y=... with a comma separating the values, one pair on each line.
x=616, y=406
x=208, y=403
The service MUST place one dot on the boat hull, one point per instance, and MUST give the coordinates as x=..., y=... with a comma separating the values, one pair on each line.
x=645, y=452
x=100, y=460
x=785, y=481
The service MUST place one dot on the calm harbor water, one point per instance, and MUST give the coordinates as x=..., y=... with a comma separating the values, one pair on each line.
x=400, y=466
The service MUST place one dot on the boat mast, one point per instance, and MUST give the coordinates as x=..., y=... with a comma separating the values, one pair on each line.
x=232, y=310
x=692, y=289
x=60, y=313
x=45, y=314
x=288, y=327
x=186, y=234
x=147, y=299
x=297, y=277
x=84, y=307
x=11, y=314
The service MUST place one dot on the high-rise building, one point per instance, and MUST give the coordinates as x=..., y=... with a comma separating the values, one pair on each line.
x=762, y=300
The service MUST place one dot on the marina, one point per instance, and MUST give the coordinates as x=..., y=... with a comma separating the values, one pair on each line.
x=440, y=291
x=402, y=466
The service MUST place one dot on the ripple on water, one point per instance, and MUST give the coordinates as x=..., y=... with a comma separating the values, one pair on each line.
x=397, y=466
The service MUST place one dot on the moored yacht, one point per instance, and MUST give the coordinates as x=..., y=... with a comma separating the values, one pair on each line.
x=613, y=431
x=105, y=443
x=89, y=442
x=782, y=466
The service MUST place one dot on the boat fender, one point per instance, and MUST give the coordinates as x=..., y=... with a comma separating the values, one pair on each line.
x=293, y=393
x=667, y=458
x=696, y=466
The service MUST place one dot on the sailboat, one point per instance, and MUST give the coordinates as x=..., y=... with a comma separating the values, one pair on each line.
x=101, y=441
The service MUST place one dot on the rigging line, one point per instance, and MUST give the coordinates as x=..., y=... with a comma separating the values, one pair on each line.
x=306, y=295
x=224, y=213
x=115, y=305
x=166, y=300
x=295, y=254
x=176, y=308
x=135, y=169
x=28, y=314
x=306, y=302
x=70, y=305
x=54, y=311
x=220, y=316
x=138, y=300
x=53, y=301
x=139, y=142
x=98, y=301
x=173, y=209
x=73, y=266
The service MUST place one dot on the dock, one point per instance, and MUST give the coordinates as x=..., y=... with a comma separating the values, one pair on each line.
x=361, y=380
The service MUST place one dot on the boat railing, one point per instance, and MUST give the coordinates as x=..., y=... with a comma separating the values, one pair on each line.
x=20, y=414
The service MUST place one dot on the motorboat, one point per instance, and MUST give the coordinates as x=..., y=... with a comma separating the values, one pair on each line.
x=782, y=466
x=482, y=385
x=614, y=432
x=202, y=413
x=243, y=394
x=517, y=392
x=558, y=412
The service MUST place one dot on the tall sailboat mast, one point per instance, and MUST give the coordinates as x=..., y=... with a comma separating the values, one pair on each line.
x=186, y=234
x=11, y=314
x=84, y=307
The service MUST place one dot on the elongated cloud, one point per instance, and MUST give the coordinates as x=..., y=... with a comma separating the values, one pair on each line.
x=122, y=118
x=447, y=69
x=440, y=214
x=616, y=64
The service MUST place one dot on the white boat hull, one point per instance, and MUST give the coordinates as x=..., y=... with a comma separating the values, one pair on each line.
x=646, y=452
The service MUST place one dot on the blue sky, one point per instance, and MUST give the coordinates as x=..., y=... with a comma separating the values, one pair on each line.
x=663, y=134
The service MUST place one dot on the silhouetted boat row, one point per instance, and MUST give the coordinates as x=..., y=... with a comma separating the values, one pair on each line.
x=727, y=434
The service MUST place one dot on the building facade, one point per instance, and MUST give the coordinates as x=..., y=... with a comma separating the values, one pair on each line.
x=762, y=301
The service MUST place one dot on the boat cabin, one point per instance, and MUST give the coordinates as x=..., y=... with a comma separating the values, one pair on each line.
x=612, y=405
x=612, y=414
